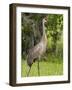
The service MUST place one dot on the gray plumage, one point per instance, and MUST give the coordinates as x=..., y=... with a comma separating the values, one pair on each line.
x=39, y=49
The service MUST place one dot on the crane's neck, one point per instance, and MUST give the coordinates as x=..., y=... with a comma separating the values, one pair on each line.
x=43, y=22
x=44, y=34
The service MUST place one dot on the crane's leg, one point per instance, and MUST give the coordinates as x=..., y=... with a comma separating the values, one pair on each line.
x=38, y=69
x=29, y=71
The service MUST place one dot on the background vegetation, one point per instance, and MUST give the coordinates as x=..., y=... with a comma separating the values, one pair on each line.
x=52, y=61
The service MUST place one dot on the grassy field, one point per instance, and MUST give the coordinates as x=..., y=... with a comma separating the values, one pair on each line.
x=53, y=66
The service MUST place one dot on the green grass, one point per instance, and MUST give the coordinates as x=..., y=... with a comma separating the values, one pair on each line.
x=53, y=66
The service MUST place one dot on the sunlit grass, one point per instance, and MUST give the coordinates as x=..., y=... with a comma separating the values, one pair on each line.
x=53, y=66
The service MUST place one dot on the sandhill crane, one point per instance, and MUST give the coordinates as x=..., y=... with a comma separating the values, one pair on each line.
x=38, y=50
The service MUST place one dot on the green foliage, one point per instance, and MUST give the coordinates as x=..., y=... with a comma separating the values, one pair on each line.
x=54, y=29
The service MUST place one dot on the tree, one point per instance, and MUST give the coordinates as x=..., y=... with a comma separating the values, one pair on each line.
x=54, y=28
